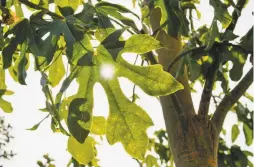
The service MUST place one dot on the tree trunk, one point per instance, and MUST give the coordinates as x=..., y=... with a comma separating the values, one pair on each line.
x=195, y=143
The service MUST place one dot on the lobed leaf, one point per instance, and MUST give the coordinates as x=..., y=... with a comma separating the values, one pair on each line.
x=83, y=153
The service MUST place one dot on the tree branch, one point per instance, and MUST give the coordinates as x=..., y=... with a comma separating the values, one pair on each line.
x=202, y=48
x=236, y=14
x=208, y=88
x=229, y=100
x=34, y=6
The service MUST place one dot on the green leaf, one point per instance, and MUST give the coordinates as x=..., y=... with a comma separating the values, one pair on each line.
x=83, y=153
x=72, y=3
x=238, y=58
x=98, y=125
x=5, y=105
x=248, y=133
x=221, y=12
x=247, y=40
x=115, y=7
x=234, y=132
x=2, y=78
x=78, y=47
x=19, y=30
x=151, y=161
x=174, y=23
x=87, y=14
x=212, y=35
x=18, y=9
x=56, y=69
x=229, y=36
x=75, y=115
x=35, y=127
x=141, y=43
x=127, y=123
x=109, y=10
x=151, y=79
x=112, y=43
x=20, y=64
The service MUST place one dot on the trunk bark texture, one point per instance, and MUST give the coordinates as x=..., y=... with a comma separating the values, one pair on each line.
x=194, y=143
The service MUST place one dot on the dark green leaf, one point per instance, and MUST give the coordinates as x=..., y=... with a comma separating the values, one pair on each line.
x=112, y=43
x=20, y=64
x=115, y=7
x=229, y=36
x=247, y=40
x=213, y=35
x=221, y=12
x=19, y=31
x=75, y=115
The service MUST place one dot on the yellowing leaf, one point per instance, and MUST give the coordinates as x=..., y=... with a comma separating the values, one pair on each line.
x=152, y=79
x=234, y=132
x=151, y=161
x=248, y=133
x=5, y=105
x=56, y=69
x=83, y=153
x=127, y=123
x=141, y=43
x=98, y=125
x=72, y=3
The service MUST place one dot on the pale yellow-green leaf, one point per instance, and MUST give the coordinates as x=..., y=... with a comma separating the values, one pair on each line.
x=127, y=123
x=6, y=106
x=141, y=43
x=18, y=9
x=100, y=34
x=98, y=125
x=86, y=80
x=152, y=79
x=151, y=161
x=234, y=132
x=63, y=112
x=2, y=79
x=56, y=69
x=72, y=3
x=83, y=153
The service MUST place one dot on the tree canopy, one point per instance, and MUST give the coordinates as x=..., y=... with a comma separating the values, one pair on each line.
x=69, y=46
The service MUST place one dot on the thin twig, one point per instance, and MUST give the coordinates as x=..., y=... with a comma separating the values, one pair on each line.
x=230, y=99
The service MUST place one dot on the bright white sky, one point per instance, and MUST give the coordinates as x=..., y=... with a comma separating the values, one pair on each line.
x=27, y=100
